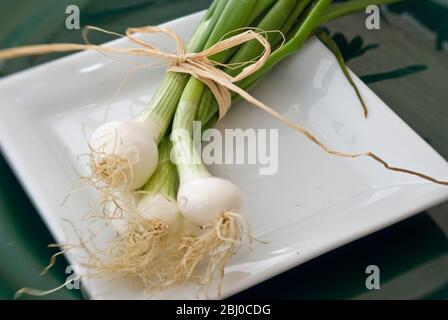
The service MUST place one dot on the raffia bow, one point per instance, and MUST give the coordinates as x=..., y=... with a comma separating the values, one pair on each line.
x=204, y=69
x=196, y=64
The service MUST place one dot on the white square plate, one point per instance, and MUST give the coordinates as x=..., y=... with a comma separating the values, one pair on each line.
x=314, y=203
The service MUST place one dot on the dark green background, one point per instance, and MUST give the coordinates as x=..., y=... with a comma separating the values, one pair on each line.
x=405, y=63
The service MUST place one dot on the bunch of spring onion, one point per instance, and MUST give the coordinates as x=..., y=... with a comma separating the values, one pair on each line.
x=184, y=217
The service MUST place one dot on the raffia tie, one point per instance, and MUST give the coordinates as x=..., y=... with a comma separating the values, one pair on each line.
x=196, y=64
x=204, y=69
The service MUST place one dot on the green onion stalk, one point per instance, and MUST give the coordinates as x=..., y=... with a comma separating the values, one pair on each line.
x=211, y=202
x=124, y=154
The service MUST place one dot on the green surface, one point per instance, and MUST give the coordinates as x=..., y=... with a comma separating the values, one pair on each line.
x=405, y=63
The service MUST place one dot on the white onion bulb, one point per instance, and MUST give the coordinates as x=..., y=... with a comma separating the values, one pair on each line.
x=158, y=207
x=128, y=140
x=203, y=200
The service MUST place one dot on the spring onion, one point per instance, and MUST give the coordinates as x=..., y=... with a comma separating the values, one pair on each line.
x=205, y=201
x=124, y=153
